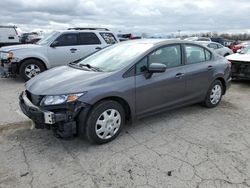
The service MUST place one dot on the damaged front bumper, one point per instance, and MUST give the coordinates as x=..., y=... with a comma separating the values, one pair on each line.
x=9, y=68
x=60, y=118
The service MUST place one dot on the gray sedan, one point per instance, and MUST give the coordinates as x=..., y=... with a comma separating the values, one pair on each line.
x=97, y=95
x=218, y=48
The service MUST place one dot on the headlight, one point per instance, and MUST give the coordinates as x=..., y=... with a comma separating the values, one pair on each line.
x=6, y=55
x=60, y=99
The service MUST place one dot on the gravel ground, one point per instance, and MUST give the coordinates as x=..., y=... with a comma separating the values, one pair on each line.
x=189, y=147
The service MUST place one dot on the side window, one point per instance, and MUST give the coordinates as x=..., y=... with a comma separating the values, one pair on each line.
x=213, y=45
x=169, y=55
x=88, y=39
x=109, y=38
x=208, y=55
x=194, y=54
x=67, y=40
x=141, y=66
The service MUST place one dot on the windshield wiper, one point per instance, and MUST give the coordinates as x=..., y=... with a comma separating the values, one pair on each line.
x=91, y=67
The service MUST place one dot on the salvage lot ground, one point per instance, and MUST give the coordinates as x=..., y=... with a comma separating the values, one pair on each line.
x=189, y=147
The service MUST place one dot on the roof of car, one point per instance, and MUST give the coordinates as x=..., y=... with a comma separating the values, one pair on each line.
x=84, y=31
x=156, y=42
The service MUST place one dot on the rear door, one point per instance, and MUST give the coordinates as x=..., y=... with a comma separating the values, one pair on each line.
x=65, y=51
x=162, y=89
x=88, y=43
x=199, y=71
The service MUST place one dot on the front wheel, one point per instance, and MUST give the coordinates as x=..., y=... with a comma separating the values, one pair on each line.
x=214, y=94
x=104, y=122
x=31, y=68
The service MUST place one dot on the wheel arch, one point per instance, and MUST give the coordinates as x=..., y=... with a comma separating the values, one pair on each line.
x=222, y=80
x=122, y=102
x=29, y=58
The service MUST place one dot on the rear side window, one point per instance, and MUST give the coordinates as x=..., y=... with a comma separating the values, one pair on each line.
x=194, y=54
x=109, y=38
x=67, y=40
x=88, y=39
x=213, y=45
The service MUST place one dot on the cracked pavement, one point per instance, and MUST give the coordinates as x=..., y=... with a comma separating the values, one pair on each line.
x=189, y=147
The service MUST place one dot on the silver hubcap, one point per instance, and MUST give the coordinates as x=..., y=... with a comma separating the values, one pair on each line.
x=108, y=124
x=215, y=94
x=32, y=70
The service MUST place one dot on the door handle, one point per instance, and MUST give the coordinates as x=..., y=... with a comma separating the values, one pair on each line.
x=73, y=50
x=98, y=48
x=210, y=67
x=179, y=75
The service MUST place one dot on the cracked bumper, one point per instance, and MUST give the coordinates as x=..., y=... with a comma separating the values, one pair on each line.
x=38, y=115
x=61, y=118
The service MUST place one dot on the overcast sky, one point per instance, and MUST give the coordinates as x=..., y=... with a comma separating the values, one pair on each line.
x=137, y=16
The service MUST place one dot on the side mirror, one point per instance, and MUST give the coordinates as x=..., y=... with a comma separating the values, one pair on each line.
x=155, y=68
x=54, y=44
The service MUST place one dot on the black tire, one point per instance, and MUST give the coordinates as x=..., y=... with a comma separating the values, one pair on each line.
x=30, y=62
x=96, y=113
x=207, y=102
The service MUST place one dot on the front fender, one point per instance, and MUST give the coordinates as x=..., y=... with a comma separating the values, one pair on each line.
x=20, y=56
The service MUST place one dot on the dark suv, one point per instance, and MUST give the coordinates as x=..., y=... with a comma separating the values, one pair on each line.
x=97, y=95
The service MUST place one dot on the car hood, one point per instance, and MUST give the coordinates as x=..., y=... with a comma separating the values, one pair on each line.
x=239, y=57
x=65, y=80
x=19, y=47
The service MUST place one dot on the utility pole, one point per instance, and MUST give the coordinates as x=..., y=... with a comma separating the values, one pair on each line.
x=179, y=31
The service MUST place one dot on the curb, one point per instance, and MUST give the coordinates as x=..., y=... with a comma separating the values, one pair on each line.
x=15, y=126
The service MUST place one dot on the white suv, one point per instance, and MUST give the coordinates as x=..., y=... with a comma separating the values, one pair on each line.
x=59, y=48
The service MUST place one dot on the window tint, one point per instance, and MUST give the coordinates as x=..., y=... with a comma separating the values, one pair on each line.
x=88, y=39
x=169, y=55
x=67, y=40
x=109, y=38
x=208, y=55
x=194, y=54
x=142, y=65
x=213, y=45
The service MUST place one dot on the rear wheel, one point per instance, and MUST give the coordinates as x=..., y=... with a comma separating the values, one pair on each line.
x=214, y=94
x=104, y=122
x=31, y=68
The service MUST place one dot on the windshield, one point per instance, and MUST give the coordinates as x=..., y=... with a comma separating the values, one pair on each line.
x=116, y=56
x=246, y=50
x=48, y=38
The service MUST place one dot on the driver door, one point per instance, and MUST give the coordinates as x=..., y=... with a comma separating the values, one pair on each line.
x=162, y=90
x=65, y=50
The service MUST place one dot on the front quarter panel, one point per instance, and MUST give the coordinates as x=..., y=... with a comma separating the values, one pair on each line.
x=38, y=53
x=123, y=88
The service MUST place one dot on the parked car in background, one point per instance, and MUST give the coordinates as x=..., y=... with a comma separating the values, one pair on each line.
x=218, y=48
x=59, y=48
x=125, y=37
x=240, y=64
x=9, y=35
x=28, y=38
x=197, y=39
x=220, y=40
x=96, y=96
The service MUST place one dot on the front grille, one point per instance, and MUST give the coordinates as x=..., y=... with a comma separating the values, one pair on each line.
x=35, y=99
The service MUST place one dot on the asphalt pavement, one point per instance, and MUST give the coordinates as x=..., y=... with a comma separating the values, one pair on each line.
x=191, y=147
